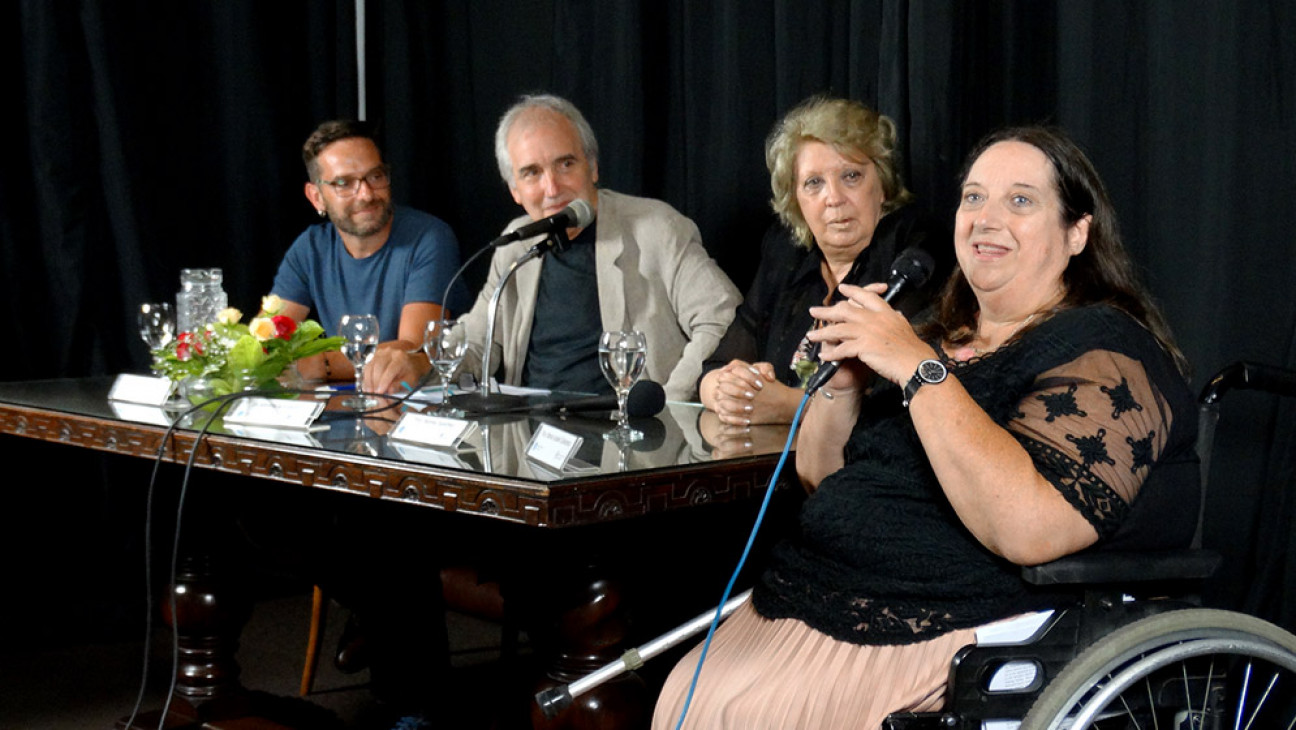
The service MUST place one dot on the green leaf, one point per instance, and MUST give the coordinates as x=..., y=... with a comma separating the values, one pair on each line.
x=315, y=347
x=246, y=354
x=308, y=330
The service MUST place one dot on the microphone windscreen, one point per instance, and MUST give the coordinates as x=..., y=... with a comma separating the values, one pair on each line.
x=584, y=212
x=914, y=265
x=645, y=399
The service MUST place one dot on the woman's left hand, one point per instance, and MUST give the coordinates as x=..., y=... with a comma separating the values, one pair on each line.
x=865, y=327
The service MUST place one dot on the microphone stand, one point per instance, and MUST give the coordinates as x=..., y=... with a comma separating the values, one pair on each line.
x=484, y=400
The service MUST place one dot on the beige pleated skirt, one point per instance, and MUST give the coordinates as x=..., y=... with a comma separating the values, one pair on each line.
x=780, y=673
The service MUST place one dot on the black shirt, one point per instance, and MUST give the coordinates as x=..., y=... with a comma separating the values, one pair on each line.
x=563, y=350
x=774, y=317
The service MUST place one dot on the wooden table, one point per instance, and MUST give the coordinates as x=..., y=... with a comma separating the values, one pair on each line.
x=631, y=489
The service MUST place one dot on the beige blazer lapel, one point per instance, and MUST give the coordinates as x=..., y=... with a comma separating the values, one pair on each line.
x=609, y=247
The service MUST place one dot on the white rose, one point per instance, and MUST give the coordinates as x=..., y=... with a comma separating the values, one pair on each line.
x=262, y=328
x=229, y=315
x=272, y=304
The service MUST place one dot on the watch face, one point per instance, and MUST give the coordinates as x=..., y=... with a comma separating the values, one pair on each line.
x=932, y=371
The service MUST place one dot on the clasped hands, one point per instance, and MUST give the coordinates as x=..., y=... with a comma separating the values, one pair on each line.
x=747, y=394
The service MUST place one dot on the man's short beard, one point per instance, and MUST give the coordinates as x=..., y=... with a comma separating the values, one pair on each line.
x=344, y=224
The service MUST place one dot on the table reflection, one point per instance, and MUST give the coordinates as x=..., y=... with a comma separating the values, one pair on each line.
x=682, y=434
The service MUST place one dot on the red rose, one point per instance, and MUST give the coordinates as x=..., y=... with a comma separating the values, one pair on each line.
x=284, y=326
x=187, y=341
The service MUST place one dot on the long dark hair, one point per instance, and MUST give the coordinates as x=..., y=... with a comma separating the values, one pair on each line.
x=1101, y=273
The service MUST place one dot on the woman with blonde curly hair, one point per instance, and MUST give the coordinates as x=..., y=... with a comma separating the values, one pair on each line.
x=835, y=178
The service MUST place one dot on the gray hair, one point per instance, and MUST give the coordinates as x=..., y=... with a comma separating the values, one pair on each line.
x=555, y=104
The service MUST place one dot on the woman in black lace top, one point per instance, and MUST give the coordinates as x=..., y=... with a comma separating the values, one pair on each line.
x=1021, y=426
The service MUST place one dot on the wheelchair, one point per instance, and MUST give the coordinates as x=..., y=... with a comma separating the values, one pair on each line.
x=1130, y=648
x=1133, y=649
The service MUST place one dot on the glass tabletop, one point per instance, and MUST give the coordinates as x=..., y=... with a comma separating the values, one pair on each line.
x=682, y=434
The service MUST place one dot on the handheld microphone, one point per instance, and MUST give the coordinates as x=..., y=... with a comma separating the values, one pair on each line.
x=911, y=268
x=578, y=214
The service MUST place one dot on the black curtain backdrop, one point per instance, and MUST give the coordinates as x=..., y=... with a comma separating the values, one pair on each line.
x=149, y=136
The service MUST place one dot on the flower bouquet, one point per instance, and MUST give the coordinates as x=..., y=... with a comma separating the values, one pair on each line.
x=227, y=355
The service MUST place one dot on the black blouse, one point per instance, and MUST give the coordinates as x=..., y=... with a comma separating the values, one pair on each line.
x=882, y=558
x=771, y=323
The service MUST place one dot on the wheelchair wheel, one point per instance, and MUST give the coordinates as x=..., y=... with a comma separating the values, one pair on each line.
x=1194, y=669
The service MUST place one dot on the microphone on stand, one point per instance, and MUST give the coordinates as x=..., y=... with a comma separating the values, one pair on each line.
x=578, y=214
x=911, y=268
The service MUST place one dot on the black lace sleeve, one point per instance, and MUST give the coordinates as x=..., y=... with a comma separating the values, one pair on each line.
x=1094, y=427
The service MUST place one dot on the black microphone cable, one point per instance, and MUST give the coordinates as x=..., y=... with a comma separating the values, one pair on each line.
x=222, y=403
x=167, y=436
x=222, y=406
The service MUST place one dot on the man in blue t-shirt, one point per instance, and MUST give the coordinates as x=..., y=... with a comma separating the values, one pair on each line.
x=371, y=257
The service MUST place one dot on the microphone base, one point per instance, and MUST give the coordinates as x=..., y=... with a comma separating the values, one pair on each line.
x=487, y=403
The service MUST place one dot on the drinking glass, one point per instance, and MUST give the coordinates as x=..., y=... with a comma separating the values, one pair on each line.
x=621, y=356
x=445, y=342
x=157, y=324
x=359, y=333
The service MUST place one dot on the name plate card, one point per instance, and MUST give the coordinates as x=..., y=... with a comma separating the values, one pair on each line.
x=438, y=431
x=295, y=437
x=140, y=413
x=553, y=447
x=295, y=415
x=143, y=389
x=433, y=456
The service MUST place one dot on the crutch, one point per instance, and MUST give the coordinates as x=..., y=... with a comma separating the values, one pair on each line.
x=556, y=699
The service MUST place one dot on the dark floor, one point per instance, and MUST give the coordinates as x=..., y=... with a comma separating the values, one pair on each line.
x=93, y=685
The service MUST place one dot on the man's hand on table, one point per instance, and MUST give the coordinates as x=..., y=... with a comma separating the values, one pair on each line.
x=393, y=368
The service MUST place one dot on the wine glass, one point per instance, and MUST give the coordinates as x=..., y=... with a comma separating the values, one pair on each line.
x=359, y=333
x=621, y=356
x=445, y=342
x=157, y=324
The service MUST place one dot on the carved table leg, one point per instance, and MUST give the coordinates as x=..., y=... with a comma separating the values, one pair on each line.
x=210, y=612
x=589, y=631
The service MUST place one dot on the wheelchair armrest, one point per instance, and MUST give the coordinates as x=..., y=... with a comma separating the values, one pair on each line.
x=1148, y=566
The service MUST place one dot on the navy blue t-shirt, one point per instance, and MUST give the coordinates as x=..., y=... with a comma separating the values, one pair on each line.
x=563, y=351
x=415, y=264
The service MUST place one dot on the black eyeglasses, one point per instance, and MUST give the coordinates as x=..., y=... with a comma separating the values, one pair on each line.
x=345, y=187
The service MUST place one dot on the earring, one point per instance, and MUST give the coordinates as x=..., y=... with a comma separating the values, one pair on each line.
x=321, y=212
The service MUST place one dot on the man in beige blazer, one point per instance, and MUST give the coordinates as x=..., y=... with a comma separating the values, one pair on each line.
x=640, y=265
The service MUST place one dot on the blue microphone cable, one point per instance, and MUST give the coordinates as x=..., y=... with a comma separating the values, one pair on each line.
x=751, y=539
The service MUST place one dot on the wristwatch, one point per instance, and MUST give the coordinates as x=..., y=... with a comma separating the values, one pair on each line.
x=929, y=372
